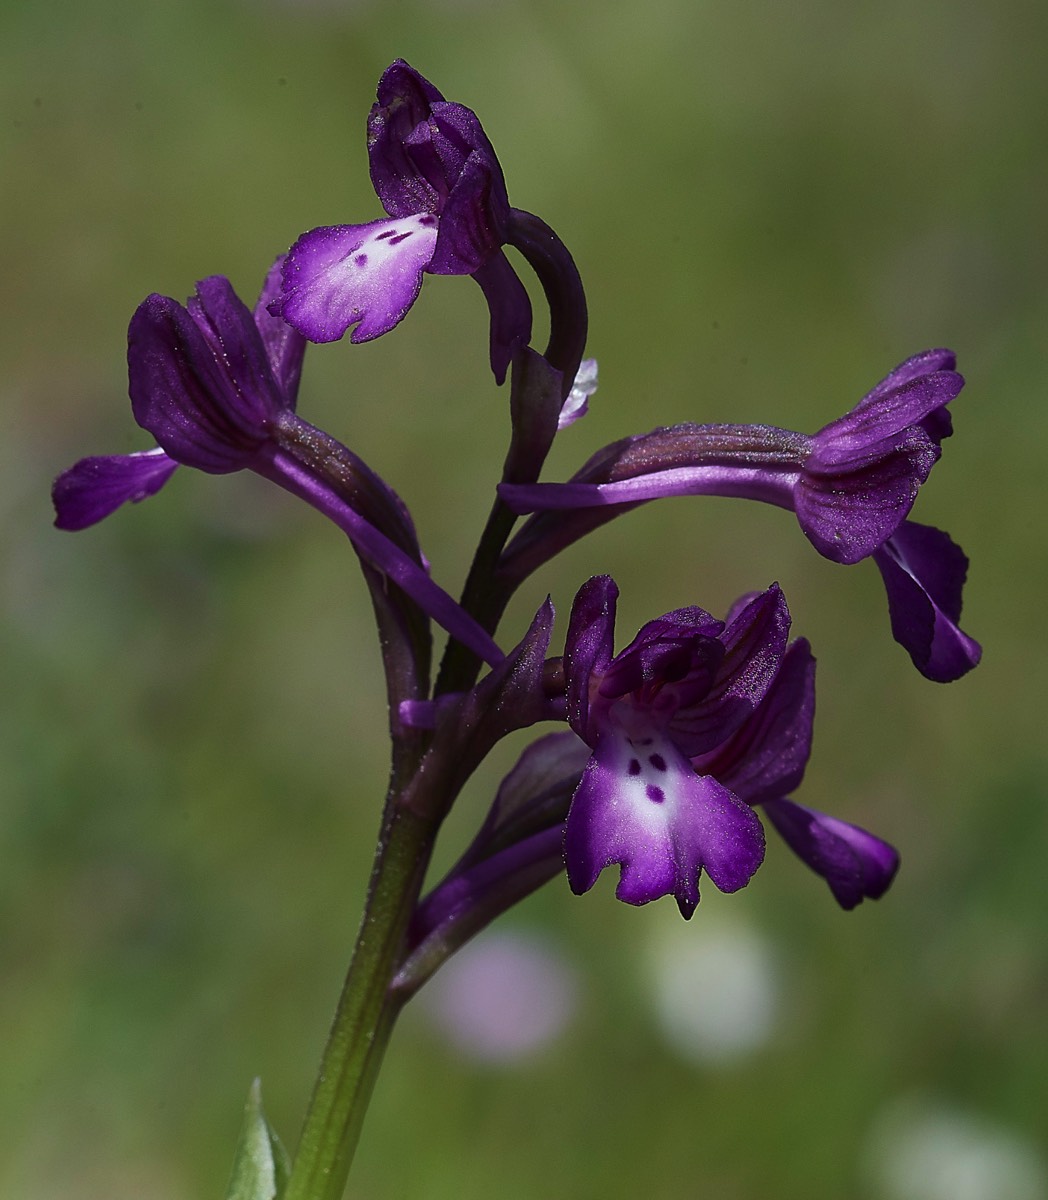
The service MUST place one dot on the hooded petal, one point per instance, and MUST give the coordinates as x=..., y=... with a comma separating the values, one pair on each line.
x=848, y=517
x=405, y=101
x=854, y=863
x=672, y=657
x=914, y=367
x=95, y=487
x=924, y=573
x=646, y=809
x=754, y=644
x=363, y=275
x=884, y=420
x=472, y=221
x=865, y=469
x=765, y=758
x=200, y=381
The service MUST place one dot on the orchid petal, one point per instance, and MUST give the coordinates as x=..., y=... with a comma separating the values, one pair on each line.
x=95, y=487
x=589, y=645
x=754, y=644
x=646, y=809
x=363, y=275
x=924, y=573
x=182, y=390
x=856, y=864
x=470, y=232
x=404, y=101
x=765, y=758
x=285, y=346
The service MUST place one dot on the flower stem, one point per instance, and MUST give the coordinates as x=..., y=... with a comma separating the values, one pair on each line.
x=366, y=1013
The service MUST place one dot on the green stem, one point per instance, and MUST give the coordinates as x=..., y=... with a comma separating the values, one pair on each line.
x=458, y=670
x=366, y=1013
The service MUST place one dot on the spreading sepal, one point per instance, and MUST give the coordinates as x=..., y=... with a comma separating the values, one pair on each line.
x=856, y=864
x=924, y=573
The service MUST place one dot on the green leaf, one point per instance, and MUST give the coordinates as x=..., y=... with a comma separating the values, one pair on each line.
x=260, y=1166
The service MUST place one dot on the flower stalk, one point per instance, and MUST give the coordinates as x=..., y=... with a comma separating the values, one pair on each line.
x=367, y=1011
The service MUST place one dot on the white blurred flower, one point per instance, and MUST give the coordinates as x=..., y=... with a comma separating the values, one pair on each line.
x=923, y=1150
x=716, y=991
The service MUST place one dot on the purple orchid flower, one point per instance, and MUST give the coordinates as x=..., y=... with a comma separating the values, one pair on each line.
x=851, y=485
x=599, y=803
x=684, y=685
x=216, y=386
x=440, y=182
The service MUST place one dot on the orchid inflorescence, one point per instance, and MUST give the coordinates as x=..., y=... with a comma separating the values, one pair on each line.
x=671, y=748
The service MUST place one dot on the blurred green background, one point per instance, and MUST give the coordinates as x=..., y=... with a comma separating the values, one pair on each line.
x=771, y=206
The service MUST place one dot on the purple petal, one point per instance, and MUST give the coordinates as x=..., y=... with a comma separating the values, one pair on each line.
x=230, y=330
x=363, y=275
x=880, y=422
x=95, y=487
x=510, y=310
x=650, y=812
x=765, y=758
x=431, y=156
x=405, y=101
x=754, y=643
x=924, y=573
x=589, y=645
x=865, y=469
x=672, y=657
x=847, y=517
x=913, y=368
x=285, y=346
x=200, y=383
x=458, y=138
x=854, y=863
x=471, y=229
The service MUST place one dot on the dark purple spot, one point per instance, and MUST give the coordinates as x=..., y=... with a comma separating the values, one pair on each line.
x=386, y=233
x=634, y=767
x=428, y=219
x=361, y=260
x=655, y=793
x=399, y=237
x=658, y=762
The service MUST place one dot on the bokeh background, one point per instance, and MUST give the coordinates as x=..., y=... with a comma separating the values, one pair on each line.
x=771, y=205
